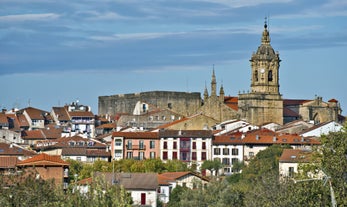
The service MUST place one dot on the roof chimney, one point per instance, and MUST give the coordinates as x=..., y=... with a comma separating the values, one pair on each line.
x=257, y=137
x=274, y=139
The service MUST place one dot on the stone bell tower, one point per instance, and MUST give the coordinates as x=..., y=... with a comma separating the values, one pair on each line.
x=263, y=104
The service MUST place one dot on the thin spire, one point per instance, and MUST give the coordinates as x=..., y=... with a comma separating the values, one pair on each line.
x=213, y=84
x=265, y=39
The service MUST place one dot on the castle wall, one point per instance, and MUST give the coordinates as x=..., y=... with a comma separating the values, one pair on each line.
x=180, y=102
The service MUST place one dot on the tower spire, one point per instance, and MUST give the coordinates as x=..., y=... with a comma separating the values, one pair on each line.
x=213, y=84
x=265, y=39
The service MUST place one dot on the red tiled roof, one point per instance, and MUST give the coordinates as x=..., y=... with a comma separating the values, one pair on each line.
x=3, y=118
x=185, y=133
x=8, y=162
x=33, y=134
x=61, y=113
x=231, y=139
x=23, y=122
x=232, y=102
x=43, y=160
x=261, y=137
x=333, y=100
x=141, y=135
x=12, y=150
x=35, y=113
x=295, y=155
x=81, y=114
x=107, y=126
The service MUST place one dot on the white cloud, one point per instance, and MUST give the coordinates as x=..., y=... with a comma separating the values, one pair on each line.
x=29, y=17
x=134, y=36
x=245, y=3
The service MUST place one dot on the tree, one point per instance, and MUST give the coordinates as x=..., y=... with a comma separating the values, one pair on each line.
x=334, y=163
x=211, y=165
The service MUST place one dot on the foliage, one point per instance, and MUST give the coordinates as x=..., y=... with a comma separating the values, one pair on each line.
x=212, y=165
x=334, y=163
x=175, y=196
x=27, y=190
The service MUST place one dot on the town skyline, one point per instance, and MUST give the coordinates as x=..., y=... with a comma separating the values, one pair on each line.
x=54, y=53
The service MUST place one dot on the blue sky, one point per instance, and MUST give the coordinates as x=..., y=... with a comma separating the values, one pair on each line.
x=55, y=52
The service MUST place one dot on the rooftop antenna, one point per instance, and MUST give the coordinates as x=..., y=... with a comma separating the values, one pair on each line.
x=29, y=102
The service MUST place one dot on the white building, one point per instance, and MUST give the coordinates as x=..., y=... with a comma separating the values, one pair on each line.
x=322, y=129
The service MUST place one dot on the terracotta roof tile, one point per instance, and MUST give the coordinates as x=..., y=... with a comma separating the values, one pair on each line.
x=33, y=134
x=185, y=133
x=139, y=135
x=296, y=156
x=3, y=119
x=232, y=102
x=35, y=113
x=228, y=139
x=61, y=113
x=81, y=114
x=263, y=137
x=43, y=159
x=107, y=126
x=288, y=102
x=13, y=150
x=8, y=162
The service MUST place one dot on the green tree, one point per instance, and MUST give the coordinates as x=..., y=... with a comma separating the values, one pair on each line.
x=334, y=163
x=212, y=165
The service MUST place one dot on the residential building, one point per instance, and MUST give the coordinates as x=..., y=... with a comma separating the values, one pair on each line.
x=76, y=148
x=48, y=167
x=322, y=129
x=290, y=161
x=258, y=140
x=168, y=181
x=228, y=149
x=135, y=145
x=190, y=146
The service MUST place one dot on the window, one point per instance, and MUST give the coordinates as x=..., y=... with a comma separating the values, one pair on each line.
x=194, y=145
x=226, y=161
x=163, y=118
x=216, y=151
x=227, y=170
x=152, y=144
x=141, y=155
x=174, y=155
x=165, y=145
x=235, y=151
x=164, y=155
x=118, y=153
x=226, y=151
x=175, y=145
x=203, y=155
x=270, y=76
x=256, y=75
x=193, y=155
x=234, y=160
x=251, y=154
x=130, y=144
x=78, y=158
x=129, y=155
x=291, y=171
x=204, y=145
x=184, y=156
x=141, y=145
x=152, y=155
x=118, y=142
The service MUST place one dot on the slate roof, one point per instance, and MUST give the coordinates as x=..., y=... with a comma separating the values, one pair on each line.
x=85, y=152
x=43, y=160
x=178, y=175
x=132, y=181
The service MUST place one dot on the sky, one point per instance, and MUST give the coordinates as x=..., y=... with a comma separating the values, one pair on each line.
x=53, y=52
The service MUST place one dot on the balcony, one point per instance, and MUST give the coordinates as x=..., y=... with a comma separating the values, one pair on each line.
x=136, y=147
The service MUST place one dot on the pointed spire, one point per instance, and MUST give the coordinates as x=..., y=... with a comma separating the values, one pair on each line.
x=221, y=94
x=205, y=93
x=265, y=39
x=213, y=84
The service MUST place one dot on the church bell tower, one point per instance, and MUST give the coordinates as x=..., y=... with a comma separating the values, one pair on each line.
x=263, y=104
